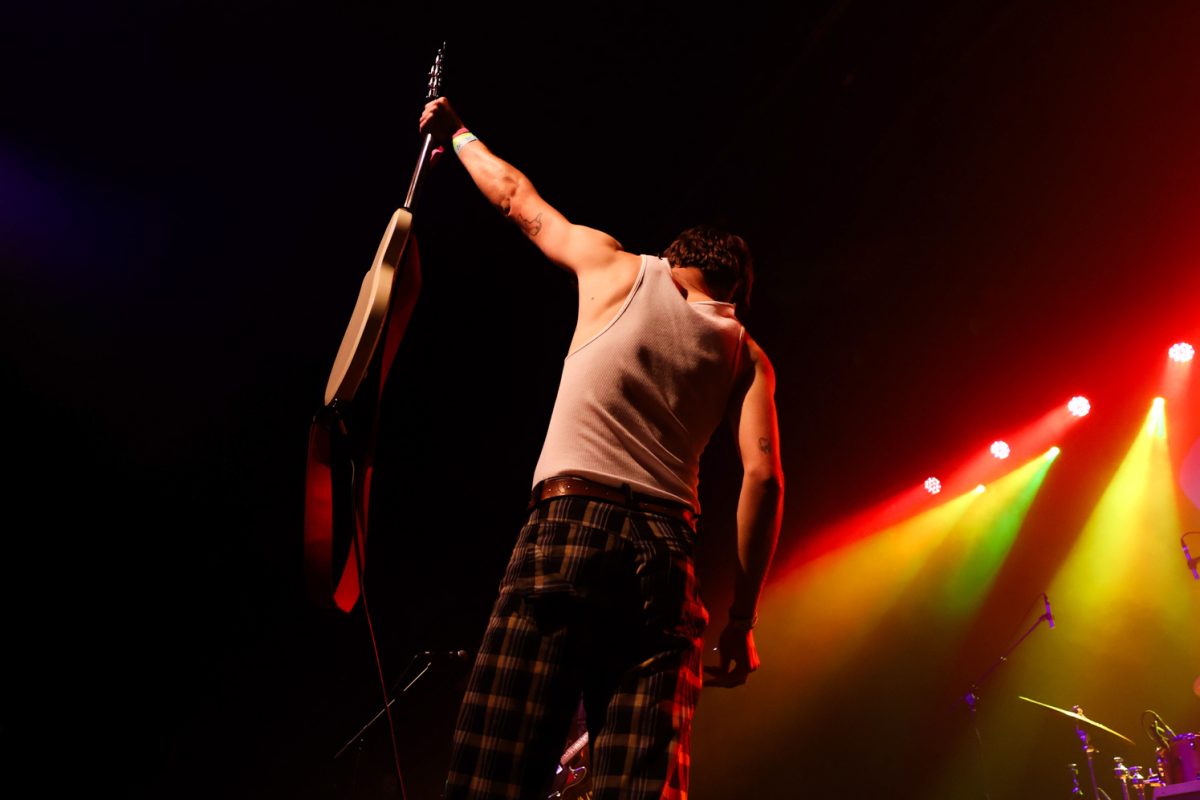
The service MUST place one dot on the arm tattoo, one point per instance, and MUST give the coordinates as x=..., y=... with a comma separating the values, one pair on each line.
x=764, y=445
x=532, y=227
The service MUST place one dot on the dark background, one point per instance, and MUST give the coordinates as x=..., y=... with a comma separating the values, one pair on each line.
x=960, y=213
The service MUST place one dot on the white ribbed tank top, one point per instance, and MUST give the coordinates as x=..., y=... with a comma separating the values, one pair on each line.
x=638, y=402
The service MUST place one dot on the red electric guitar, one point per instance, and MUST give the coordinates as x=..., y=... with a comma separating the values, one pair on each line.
x=572, y=781
x=572, y=774
x=341, y=438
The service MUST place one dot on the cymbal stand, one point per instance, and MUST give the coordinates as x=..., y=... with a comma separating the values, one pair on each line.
x=1088, y=751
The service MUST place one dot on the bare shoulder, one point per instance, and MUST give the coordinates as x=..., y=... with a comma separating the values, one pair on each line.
x=608, y=271
x=759, y=363
x=582, y=249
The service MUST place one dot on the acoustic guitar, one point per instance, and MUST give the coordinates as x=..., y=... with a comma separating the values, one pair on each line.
x=341, y=438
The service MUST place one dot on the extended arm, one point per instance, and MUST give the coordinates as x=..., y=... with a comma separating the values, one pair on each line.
x=578, y=248
x=760, y=510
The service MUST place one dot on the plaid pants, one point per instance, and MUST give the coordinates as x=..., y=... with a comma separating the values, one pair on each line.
x=598, y=601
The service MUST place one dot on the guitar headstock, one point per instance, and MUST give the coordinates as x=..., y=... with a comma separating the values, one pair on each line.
x=435, y=74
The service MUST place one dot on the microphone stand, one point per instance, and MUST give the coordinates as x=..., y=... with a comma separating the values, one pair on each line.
x=971, y=698
x=392, y=694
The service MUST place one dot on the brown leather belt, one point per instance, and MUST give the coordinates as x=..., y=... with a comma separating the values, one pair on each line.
x=580, y=487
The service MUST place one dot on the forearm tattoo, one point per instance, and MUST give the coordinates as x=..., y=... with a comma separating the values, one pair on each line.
x=532, y=227
x=764, y=445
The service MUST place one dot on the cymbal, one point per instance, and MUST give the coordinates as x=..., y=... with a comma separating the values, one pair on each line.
x=1078, y=716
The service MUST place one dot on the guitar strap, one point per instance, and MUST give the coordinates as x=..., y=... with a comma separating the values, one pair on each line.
x=323, y=453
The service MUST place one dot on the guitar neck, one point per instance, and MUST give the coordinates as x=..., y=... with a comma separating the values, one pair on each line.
x=574, y=749
x=414, y=186
x=434, y=91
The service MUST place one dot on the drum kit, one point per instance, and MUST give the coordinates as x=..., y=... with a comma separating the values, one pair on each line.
x=1176, y=773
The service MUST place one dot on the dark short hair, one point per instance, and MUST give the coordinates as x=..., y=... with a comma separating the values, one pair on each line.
x=722, y=257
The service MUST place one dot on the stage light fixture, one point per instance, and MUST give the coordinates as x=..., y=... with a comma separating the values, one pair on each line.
x=1052, y=453
x=1181, y=352
x=980, y=489
x=1000, y=449
x=1079, y=406
x=933, y=485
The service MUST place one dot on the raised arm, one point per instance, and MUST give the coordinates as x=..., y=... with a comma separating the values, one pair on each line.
x=759, y=512
x=574, y=247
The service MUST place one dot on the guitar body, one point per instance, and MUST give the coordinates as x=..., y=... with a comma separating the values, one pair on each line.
x=572, y=776
x=370, y=312
x=341, y=439
x=572, y=783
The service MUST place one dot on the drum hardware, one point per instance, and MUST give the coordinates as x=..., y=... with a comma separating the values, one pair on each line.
x=1088, y=752
x=1141, y=783
x=1177, y=755
x=1077, y=714
x=1122, y=773
x=1138, y=781
x=1179, y=759
x=1085, y=742
x=1073, y=769
x=1156, y=728
x=1132, y=776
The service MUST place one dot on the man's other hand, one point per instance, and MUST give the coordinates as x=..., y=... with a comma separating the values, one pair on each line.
x=738, y=658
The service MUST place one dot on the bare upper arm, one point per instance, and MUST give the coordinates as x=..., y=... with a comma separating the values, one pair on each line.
x=754, y=419
x=577, y=248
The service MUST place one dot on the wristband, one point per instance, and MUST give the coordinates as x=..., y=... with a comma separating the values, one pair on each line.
x=462, y=137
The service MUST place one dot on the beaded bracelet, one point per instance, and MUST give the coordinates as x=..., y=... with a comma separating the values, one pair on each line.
x=462, y=137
